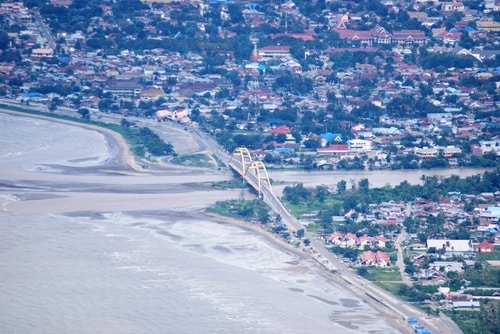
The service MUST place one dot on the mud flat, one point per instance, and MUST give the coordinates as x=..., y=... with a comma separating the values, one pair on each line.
x=115, y=246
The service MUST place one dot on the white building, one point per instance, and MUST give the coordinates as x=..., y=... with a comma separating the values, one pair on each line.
x=359, y=145
x=451, y=247
x=490, y=146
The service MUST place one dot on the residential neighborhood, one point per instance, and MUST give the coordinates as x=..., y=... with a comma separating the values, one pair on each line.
x=381, y=84
x=448, y=247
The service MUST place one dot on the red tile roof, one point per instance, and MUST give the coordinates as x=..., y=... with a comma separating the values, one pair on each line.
x=485, y=245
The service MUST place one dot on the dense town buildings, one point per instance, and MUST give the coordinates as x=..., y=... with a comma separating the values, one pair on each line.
x=378, y=69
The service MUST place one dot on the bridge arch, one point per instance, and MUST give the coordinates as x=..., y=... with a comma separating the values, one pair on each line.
x=258, y=169
x=243, y=156
x=254, y=172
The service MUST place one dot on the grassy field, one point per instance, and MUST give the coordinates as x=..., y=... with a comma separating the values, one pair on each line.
x=194, y=160
x=220, y=163
x=390, y=274
x=485, y=320
x=392, y=287
x=493, y=256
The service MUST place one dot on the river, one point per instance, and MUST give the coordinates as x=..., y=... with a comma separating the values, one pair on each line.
x=87, y=248
x=378, y=178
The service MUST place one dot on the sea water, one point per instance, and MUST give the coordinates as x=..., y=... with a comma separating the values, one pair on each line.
x=140, y=272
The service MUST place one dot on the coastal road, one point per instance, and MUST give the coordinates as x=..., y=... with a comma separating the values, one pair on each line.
x=366, y=290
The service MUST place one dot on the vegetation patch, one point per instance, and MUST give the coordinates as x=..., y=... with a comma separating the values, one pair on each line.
x=194, y=160
x=491, y=256
x=392, y=287
x=219, y=162
x=485, y=320
x=377, y=274
x=230, y=184
x=250, y=210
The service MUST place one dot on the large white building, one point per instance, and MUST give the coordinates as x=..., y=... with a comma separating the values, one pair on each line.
x=451, y=247
x=359, y=145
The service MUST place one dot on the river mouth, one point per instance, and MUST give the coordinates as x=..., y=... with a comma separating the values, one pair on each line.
x=378, y=178
x=131, y=251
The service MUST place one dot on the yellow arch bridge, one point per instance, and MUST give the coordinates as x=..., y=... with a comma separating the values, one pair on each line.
x=254, y=172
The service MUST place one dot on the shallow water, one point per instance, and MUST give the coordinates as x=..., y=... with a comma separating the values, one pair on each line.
x=74, y=259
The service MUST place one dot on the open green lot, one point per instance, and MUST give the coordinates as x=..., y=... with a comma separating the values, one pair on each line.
x=491, y=256
x=390, y=274
x=194, y=160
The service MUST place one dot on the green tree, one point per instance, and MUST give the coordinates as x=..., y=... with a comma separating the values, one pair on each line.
x=341, y=186
x=280, y=138
x=84, y=113
x=322, y=193
x=4, y=40
x=466, y=41
x=300, y=233
x=363, y=185
x=297, y=193
x=362, y=271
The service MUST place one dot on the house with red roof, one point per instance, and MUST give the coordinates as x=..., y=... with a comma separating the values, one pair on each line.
x=449, y=37
x=282, y=129
x=351, y=240
x=368, y=258
x=361, y=36
x=336, y=238
x=485, y=247
x=379, y=259
x=363, y=241
x=383, y=259
x=379, y=241
x=334, y=150
x=409, y=37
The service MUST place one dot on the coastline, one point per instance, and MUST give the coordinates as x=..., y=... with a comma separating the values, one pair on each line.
x=122, y=153
x=393, y=319
x=257, y=230
x=125, y=159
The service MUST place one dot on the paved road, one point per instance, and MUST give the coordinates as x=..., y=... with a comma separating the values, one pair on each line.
x=400, y=261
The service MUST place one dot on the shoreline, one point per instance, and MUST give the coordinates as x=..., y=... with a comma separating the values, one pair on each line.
x=122, y=154
x=257, y=230
x=392, y=319
x=124, y=159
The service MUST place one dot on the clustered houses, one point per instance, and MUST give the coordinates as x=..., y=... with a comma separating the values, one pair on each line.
x=452, y=210
x=378, y=258
x=369, y=258
x=441, y=257
x=437, y=255
x=373, y=70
